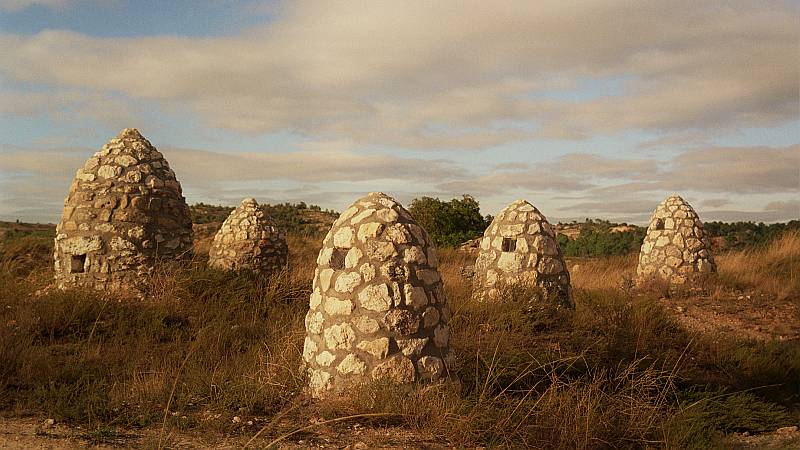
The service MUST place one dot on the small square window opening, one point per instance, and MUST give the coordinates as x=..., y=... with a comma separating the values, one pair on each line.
x=77, y=263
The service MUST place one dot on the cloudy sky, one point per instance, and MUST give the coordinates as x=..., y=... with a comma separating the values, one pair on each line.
x=586, y=108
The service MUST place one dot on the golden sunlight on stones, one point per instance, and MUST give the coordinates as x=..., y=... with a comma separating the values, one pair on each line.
x=248, y=240
x=124, y=211
x=520, y=247
x=378, y=309
x=676, y=247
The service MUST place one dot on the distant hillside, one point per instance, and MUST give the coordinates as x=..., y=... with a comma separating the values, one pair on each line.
x=574, y=229
x=12, y=230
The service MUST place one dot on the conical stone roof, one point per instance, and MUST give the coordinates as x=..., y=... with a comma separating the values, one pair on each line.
x=676, y=246
x=520, y=247
x=248, y=240
x=378, y=309
x=124, y=210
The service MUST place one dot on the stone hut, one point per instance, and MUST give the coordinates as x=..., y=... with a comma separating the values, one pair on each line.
x=124, y=211
x=520, y=247
x=378, y=310
x=676, y=247
x=248, y=240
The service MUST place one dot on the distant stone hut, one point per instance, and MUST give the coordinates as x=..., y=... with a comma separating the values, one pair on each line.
x=676, y=247
x=378, y=309
x=248, y=240
x=124, y=211
x=520, y=247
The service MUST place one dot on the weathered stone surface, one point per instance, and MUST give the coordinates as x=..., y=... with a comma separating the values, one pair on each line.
x=378, y=306
x=520, y=247
x=398, y=368
x=378, y=348
x=248, y=240
x=676, y=248
x=351, y=364
x=116, y=224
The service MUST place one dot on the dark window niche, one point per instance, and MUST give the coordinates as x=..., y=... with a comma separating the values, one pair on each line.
x=337, y=258
x=659, y=224
x=509, y=244
x=77, y=263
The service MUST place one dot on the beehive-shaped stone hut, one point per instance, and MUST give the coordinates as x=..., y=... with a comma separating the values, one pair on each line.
x=248, y=240
x=520, y=247
x=378, y=310
x=124, y=211
x=676, y=247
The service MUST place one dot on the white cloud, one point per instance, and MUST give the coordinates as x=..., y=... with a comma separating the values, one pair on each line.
x=454, y=75
x=446, y=74
x=736, y=170
x=19, y=5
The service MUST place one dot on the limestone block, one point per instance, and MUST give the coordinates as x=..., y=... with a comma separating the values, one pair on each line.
x=398, y=368
x=378, y=348
x=412, y=346
x=375, y=298
x=351, y=364
x=339, y=336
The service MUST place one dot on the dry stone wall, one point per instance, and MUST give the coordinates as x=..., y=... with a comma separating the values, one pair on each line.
x=248, y=240
x=378, y=309
x=124, y=211
x=676, y=247
x=520, y=247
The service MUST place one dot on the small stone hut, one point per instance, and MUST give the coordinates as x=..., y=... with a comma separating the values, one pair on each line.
x=124, y=211
x=676, y=247
x=520, y=247
x=248, y=240
x=378, y=310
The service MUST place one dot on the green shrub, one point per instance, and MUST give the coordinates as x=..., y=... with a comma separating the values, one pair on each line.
x=602, y=243
x=449, y=223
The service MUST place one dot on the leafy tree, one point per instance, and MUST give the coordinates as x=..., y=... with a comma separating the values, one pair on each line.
x=450, y=223
x=745, y=234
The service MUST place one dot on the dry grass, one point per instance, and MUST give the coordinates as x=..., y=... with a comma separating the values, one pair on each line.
x=774, y=269
x=612, y=272
x=616, y=372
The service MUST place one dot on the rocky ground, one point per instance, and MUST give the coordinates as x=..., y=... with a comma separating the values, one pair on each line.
x=38, y=433
x=743, y=315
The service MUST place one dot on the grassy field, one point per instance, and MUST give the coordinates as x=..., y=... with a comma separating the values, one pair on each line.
x=218, y=355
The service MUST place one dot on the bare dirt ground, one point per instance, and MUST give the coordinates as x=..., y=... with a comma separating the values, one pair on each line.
x=30, y=433
x=739, y=316
x=35, y=433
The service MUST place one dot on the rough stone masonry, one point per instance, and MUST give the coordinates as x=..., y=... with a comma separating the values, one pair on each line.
x=378, y=309
x=124, y=211
x=249, y=240
x=520, y=247
x=676, y=247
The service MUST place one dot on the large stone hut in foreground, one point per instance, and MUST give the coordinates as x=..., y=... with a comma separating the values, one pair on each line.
x=378, y=309
x=520, y=247
x=249, y=240
x=676, y=247
x=124, y=211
